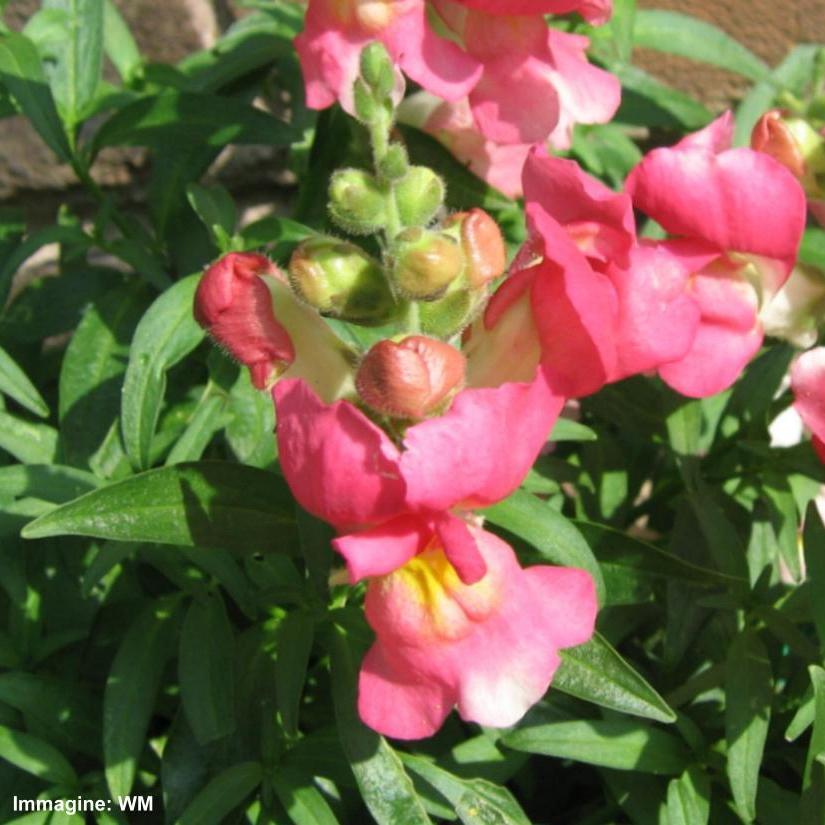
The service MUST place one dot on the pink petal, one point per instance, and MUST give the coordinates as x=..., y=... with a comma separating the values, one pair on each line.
x=594, y=11
x=460, y=547
x=728, y=336
x=340, y=466
x=739, y=200
x=716, y=137
x=480, y=450
x=599, y=220
x=808, y=384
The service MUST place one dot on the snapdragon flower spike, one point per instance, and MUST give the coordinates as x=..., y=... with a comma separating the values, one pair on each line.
x=750, y=210
x=244, y=302
x=489, y=648
x=808, y=385
x=336, y=31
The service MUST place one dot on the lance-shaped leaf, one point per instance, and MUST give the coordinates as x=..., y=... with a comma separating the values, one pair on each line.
x=15, y=384
x=688, y=798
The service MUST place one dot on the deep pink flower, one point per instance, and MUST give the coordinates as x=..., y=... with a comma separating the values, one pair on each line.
x=489, y=648
x=389, y=500
x=594, y=11
x=808, y=384
x=748, y=209
x=336, y=31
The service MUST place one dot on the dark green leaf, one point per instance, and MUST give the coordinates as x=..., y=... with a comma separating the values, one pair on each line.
x=166, y=334
x=222, y=795
x=748, y=694
x=208, y=504
x=15, y=384
x=303, y=802
x=214, y=206
x=206, y=669
x=294, y=645
x=597, y=673
x=814, y=543
x=50, y=482
x=35, y=756
x=131, y=688
x=812, y=804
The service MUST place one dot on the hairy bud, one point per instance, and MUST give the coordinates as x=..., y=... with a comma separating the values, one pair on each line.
x=419, y=195
x=426, y=263
x=411, y=379
x=482, y=244
x=395, y=164
x=338, y=278
x=357, y=202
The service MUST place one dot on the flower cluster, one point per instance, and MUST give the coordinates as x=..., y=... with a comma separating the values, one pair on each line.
x=397, y=446
x=495, y=79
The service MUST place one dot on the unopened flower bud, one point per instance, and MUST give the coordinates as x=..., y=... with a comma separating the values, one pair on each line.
x=795, y=144
x=482, y=244
x=356, y=201
x=451, y=314
x=395, y=164
x=426, y=263
x=234, y=305
x=377, y=69
x=338, y=278
x=411, y=379
x=419, y=195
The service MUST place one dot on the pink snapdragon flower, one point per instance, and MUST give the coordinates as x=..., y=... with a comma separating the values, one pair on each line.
x=489, y=648
x=808, y=385
x=594, y=12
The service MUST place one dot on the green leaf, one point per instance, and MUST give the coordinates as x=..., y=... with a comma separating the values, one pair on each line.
x=15, y=384
x=301, y=800
x=294, y=645
x=748, y=693
x=566, y=430
x=207, y=504
x=812, y=248
x=813, y=539
x=22, y=74
x=688, y=798
x=50, y=482
x=385, y=787
x=556, y=539
x=597, y=673
x=222, y=795
x=273, y=232
x=206, y=420
x=118, y=43
x=206, y=669
x=36, y=757
x=674, y=33
x=803, y=718
x=476, y=801
x=166, y=334
x=187, y=118
x=812, y=806
x=131, y=688
x=92, y=372
x=27, y=442
x=620, y=744
x=74, y=64
x=214, y=206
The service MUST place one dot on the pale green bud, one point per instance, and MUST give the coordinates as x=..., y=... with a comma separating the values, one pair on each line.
x=357, y=203
x=419, y=195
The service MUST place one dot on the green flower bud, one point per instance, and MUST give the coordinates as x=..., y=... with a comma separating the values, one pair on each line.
x=377, y=70
x=452, y=313
x=357, y=202
x=419, y=195
x=338, y=278
x=395, y=164
x=426, y=263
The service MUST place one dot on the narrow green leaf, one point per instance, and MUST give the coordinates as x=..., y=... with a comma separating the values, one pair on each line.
x=222, y=795
x=118, y=43
x=294, y=645
x=812, y=803
x=27, y=442
x=22, y=74
x=206, y=420
x=476, y=801
x=748, y=694
x=166, y=334
x=385, y=787
x=214, y=206
x=209, y=504
x=36, y=757
x=688, y=798
x=548, y=531
x=675, y=33
x=302, y=801
x=131, y=689
x=190, y=118
x=620, y=744
x=803, y=718
x=74, y=64
x=813, y=539
x=15, y=384
x=566, y=430
x=597, y=673
x=206, y=669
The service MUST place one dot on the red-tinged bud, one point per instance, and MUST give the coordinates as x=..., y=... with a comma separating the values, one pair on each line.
x=773, y=136
x=234, y=305
x=411, y=379
x=426, y=263
x=482, y=244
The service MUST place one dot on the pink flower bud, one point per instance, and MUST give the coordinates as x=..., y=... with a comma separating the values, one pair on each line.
x=426, y=263
x=412, y=378
x=482, y=244
x=772, y=136
x=234, y=305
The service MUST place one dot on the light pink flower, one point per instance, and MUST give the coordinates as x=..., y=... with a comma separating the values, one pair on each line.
x=336, y=31
x=808, y=384
x=489, y=648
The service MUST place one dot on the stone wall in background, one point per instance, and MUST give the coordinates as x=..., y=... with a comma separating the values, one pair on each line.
x=166, y=30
